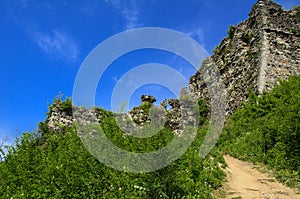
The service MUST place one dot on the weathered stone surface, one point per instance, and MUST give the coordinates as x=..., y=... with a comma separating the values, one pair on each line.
x=174, y=103
x=255, y=55
x=58, y=120
x=148, y=98
x=163, y=104
x=139, y=116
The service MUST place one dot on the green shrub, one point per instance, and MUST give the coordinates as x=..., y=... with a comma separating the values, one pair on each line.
x=267, y=130
x=231, y=31
x=61, y=167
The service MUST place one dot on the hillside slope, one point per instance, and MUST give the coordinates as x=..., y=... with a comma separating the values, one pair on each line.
x=53, y=162
x=267, y=130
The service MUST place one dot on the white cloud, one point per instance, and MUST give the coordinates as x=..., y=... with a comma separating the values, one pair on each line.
x=196, y=33
x=57, y=43
x=131, y=17
x=51, y=41
x=129, y=10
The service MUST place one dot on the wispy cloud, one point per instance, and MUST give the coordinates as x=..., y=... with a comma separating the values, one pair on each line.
x=129, y=10
x=57, y=43
x=50, y=40
x=131, y=17
x=196, y=33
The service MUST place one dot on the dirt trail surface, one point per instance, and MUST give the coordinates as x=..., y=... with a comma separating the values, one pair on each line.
x=243, y=181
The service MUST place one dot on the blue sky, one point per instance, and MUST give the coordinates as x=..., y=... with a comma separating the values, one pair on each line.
x=43, y=44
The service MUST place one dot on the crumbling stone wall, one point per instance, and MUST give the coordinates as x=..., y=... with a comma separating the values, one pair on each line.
x=130, y=122
x=173, y=115
x=58, y=120
x=255, y=55
x=282, y=40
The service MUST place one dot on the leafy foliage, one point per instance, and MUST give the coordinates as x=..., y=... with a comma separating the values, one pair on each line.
x=61, y=167
x=231, y=31
x=297, y=12
x=48, y=164
x=267, y=130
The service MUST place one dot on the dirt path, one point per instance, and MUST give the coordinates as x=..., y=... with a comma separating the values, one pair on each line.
x=243, y=181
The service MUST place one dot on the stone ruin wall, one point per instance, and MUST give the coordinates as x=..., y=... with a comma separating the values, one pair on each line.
x=255, y=55
x=281, y=32
x=58, y=119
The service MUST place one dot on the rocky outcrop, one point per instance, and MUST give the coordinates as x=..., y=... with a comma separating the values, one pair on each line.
x=255, y=55
x=174, y=103
x=174, y=114
x=61, y=118
x=134, y=122
x=139, y=115
x=148, y=98
x=58, y=120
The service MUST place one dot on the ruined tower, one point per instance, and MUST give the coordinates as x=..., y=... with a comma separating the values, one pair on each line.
x=255, y=55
